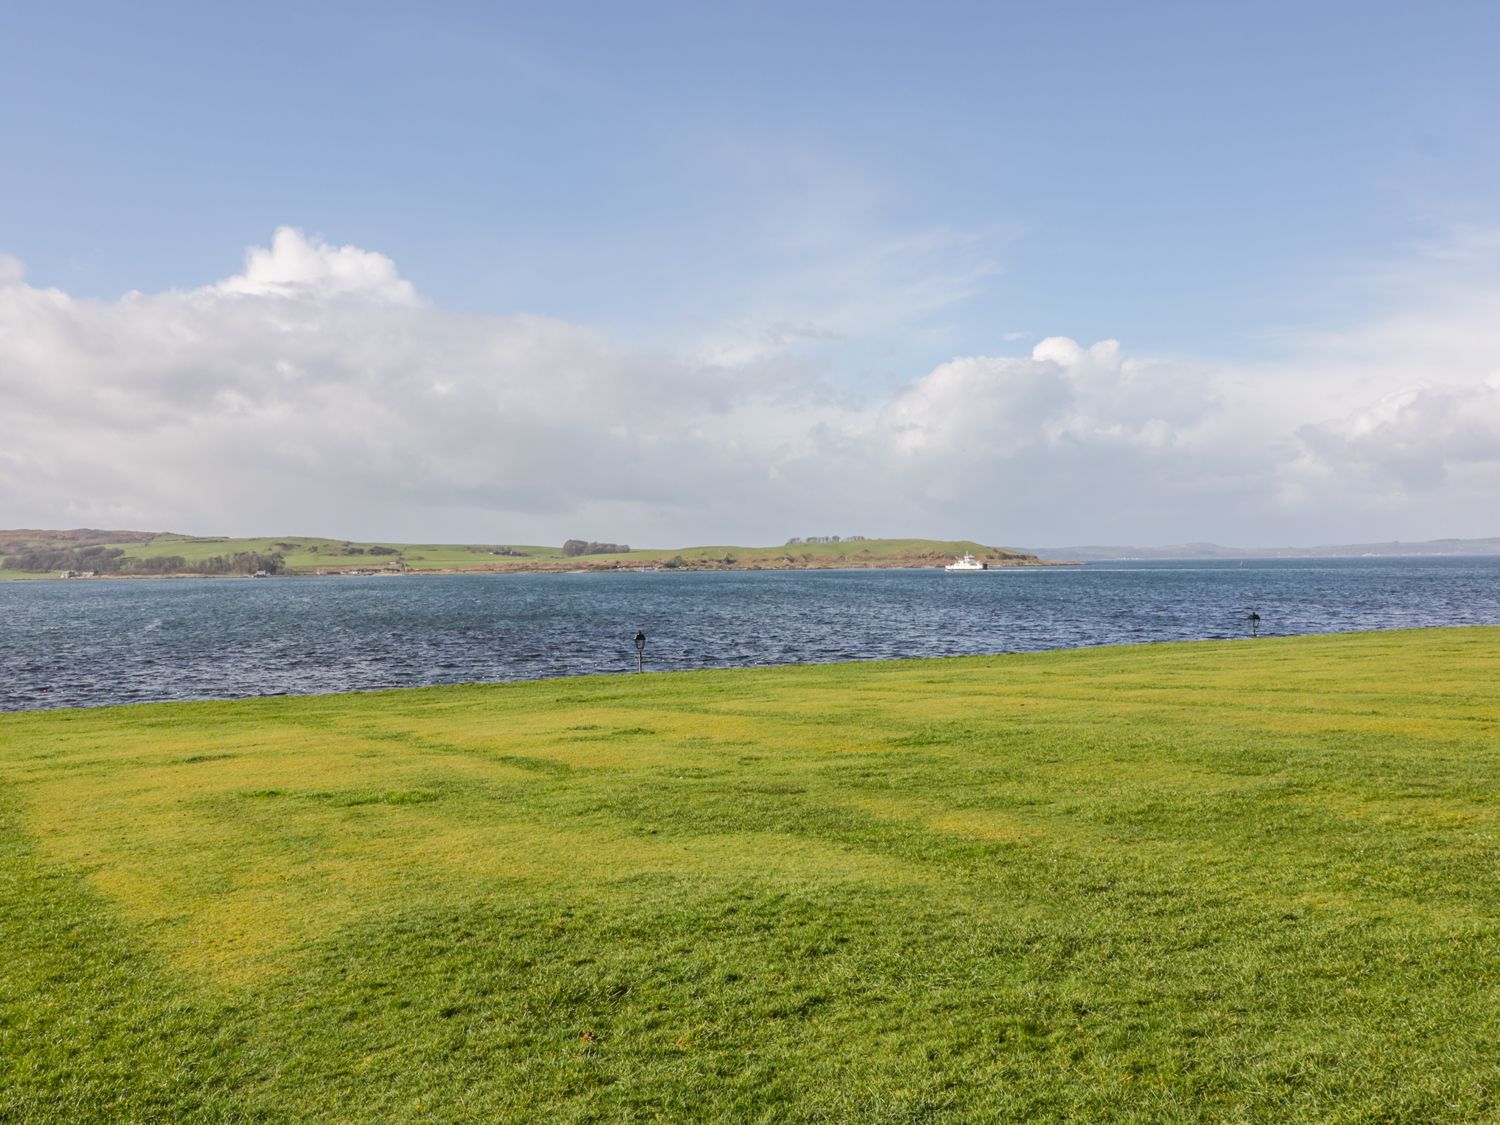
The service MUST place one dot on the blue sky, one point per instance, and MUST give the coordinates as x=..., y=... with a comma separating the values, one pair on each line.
x=873, y=189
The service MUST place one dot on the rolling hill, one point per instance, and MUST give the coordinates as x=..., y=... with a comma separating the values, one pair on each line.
x=45, y=554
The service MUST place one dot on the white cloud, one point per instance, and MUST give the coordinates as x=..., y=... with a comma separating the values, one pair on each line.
x=1413, y=439
x=296, y=266
x=318, y=392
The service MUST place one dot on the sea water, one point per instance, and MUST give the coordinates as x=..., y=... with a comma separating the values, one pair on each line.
x=83, y=643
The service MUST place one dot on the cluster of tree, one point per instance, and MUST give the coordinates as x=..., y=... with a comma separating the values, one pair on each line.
x=241, y=562
x=825, y=539
x=64, y=558
x=112, y=560
x=350, y=549
x=575, y=547
x=158, y=564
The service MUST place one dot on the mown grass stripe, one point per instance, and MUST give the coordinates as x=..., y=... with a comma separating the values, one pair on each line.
x=1114, y=884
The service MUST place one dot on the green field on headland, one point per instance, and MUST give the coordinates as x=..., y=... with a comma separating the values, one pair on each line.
x=45, y=554
x=1250, y=880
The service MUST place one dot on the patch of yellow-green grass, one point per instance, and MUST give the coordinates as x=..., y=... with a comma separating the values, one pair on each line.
x=1225, y=880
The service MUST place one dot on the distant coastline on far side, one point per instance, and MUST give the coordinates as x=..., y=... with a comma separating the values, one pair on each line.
x=86, y=553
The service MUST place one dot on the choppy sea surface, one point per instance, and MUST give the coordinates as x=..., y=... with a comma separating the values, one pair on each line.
x=84, y=643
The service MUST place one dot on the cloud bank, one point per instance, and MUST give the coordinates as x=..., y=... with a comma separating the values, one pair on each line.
x=316, y=391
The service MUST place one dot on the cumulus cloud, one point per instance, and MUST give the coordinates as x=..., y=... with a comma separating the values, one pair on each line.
x=316, y=391
x=296, y=266
x=1414, y=438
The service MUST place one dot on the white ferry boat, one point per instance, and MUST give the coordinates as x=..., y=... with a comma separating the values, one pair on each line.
x=968, y=562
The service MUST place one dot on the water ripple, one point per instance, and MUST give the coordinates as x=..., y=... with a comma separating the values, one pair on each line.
x=65, y=644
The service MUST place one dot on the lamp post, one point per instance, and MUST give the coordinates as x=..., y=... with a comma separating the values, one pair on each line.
x=640, y=652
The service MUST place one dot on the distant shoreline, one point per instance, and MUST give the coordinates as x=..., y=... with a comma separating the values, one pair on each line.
x=1213, y=552
x=537, y=568
x=90, y=553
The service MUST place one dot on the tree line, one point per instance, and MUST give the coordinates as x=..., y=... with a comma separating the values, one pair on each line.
x=575, y=547
x=113, y=560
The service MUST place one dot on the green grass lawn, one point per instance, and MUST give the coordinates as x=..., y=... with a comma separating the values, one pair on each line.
x=1196, y=882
